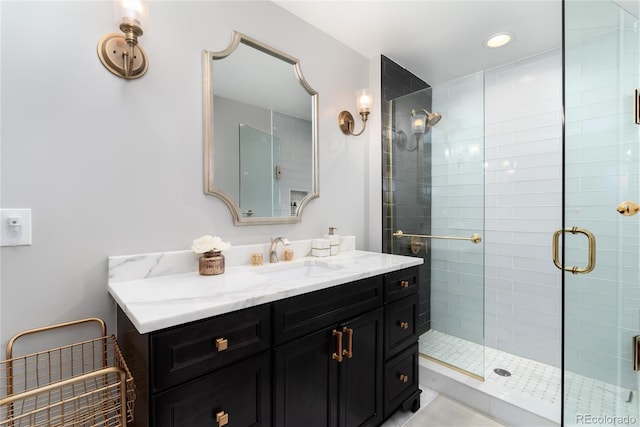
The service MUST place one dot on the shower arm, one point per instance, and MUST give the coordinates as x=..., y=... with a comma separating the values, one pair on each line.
x=475, y=238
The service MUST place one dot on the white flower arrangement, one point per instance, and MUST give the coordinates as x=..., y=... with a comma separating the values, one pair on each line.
x=209, y=244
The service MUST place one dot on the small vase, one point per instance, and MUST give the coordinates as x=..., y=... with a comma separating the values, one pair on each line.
x=211, y=263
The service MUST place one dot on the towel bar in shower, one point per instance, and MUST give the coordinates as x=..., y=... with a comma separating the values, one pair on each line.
x=475, y=238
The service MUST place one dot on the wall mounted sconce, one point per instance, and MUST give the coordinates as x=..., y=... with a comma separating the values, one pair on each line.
x=363, y=104
x=120, y=54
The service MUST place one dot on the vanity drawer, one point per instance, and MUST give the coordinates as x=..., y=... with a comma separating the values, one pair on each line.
x=301, y=315
x=241, y=392
x=186, y=352
x=400, y=378
x=400, y=284
x=401, y=322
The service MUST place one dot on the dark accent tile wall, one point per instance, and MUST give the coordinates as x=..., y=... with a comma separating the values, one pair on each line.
x=406, y=171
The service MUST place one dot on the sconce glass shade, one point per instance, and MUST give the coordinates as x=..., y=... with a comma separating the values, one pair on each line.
x=364, y=100
x=418, y=123
x=131, y=12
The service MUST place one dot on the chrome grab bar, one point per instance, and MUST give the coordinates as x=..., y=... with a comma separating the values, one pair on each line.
x=475, y=238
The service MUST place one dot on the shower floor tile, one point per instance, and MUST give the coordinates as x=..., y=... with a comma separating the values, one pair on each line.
x=532, y=385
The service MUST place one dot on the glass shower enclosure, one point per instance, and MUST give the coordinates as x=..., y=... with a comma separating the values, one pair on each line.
x=437, y=213
x=259, y=172
x=441, y=184
x=601, y=234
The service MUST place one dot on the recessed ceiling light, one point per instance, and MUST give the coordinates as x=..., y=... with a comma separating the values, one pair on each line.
x=498, y=40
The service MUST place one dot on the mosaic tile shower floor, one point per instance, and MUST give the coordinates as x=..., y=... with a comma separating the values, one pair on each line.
x=534, y=385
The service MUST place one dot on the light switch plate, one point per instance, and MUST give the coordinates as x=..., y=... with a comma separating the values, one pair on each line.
x=15, y=227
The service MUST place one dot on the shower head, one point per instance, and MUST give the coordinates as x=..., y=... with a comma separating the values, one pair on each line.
x=433, y=119
x=422, y=119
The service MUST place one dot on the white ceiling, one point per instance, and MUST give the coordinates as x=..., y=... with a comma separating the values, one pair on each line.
x=437, y=40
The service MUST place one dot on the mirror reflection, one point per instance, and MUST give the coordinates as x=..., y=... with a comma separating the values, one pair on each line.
x=260, y=133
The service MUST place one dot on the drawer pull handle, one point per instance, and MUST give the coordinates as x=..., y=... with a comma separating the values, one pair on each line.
x=404, y=283
x=349, y=350
x=404, y=325
x=338, y=354
x=222, y=344
x=404, y=378
x=222, y=418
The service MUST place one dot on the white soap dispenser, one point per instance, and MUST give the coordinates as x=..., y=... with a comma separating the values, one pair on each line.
x=334, y=240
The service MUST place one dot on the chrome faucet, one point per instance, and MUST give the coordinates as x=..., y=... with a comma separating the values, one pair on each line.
x=273, y=254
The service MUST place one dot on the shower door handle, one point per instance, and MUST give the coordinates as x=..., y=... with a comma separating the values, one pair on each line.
x=591, y=264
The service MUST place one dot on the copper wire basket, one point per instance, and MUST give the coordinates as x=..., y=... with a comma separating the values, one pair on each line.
x=84, y=384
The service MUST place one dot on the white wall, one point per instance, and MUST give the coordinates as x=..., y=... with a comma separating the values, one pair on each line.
x=114, y=167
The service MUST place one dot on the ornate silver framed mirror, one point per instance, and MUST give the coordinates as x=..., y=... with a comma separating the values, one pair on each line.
x=260, y=133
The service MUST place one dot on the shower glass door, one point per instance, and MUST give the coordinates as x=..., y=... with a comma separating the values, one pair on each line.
x=602, y=306
x=256, y=172
x=437, y=182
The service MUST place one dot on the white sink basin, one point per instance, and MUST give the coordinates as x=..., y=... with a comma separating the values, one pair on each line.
x=300, y=271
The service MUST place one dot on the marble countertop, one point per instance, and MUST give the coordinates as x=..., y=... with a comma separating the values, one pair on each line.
x=156, y=303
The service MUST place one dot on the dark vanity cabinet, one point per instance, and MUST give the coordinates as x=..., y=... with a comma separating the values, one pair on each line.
x=345, y=356
x=333, y=376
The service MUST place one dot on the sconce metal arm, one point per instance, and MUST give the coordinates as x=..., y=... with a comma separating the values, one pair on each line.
x=347, y=123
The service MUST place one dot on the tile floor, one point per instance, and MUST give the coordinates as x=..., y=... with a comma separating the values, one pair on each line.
x=400, y=417
x=437, y=410
x=446, y=412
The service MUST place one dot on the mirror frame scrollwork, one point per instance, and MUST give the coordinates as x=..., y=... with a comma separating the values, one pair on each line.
x=209, y=188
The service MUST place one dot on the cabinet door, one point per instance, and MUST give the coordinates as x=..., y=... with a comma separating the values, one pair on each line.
x=240, y=393
x=401, y=325
x=401, y=379
x=306, y=381
x=360, y=391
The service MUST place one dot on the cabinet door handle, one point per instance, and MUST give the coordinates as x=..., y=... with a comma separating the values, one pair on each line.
x=349, y=350
x=404, y=283
x=404, y=378
x=222, y=418
x=222, y=344
x=403, y=325
x=338, y=354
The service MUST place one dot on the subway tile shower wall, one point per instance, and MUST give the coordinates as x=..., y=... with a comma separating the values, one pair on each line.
x=295, y=178
x=523, y=203
x=522, y=206
x=457, y=274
